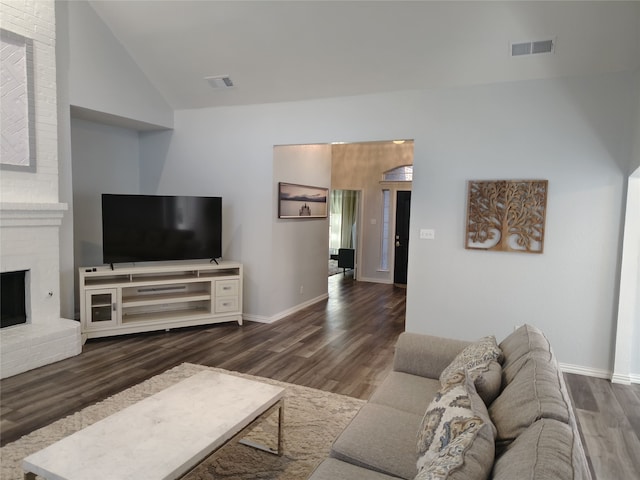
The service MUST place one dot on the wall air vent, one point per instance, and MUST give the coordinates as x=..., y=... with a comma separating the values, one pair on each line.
x=533, y=48
x=220, y=81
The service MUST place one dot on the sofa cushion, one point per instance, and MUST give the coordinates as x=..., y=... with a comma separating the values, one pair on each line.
x=523, y=340
x=510, y=371
x=381, y=438
x=425, y=355
x=489, y=383
x=479, y=360
x=410, y=393
x=545, y=450
x=332, y=469
x=534, y=393
x=456, y=435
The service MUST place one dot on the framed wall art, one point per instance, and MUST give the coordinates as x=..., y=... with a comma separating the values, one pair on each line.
x=17, y=114
x=506, y=215
x=302, y=201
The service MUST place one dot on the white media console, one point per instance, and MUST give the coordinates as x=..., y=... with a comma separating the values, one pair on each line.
x=145, y=298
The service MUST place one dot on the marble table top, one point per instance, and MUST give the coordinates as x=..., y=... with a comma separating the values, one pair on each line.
x=162, y=436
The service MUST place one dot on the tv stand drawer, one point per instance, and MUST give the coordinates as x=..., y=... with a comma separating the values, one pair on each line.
x=226, y=288
x=226, y=304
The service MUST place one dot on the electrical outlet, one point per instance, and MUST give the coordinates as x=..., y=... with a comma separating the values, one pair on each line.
x=301, y=289
x=427, y=234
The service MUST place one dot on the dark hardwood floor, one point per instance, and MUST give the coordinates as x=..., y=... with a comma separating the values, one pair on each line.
x=343, y=345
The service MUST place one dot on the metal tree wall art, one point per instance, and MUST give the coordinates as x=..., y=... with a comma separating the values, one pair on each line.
x=506, y=215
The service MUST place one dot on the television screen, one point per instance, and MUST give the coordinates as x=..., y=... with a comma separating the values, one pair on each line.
x=143, y=228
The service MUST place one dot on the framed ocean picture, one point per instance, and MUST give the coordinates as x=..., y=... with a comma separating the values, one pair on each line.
x=302, y=201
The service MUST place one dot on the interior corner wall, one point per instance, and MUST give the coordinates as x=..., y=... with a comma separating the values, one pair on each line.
x=68, y=285
x=102, y=75
x=105, y=159
x=300, y=247
x=635, y=359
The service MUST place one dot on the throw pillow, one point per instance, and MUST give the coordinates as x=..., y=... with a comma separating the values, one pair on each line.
x=456, y=435
x=479, y=360
x=449, y=458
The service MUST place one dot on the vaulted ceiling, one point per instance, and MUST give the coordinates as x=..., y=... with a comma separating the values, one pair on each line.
x=276, y=51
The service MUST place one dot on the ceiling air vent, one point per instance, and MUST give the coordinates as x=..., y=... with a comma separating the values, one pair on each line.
x=533, y=48
x=220, y=81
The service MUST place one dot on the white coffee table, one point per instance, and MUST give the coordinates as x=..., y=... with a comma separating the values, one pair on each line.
x=163, y=436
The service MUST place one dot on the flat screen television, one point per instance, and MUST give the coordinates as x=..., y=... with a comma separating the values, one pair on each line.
x=146, y=228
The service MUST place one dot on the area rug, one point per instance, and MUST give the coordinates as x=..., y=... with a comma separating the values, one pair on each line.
x=312, y=420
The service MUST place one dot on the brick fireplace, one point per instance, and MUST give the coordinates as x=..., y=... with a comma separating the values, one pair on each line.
x=30, y=211
x=29, y=242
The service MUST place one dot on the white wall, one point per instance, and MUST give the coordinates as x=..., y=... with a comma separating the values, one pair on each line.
x=106, y=159
x=103, y=77
x=300, y=247
x=36, y=21
x=65, y=179
x=576, y=133
x=627, y=354
x=99, y=80
x=632, y=236
x=635, y=360
x=228, y=152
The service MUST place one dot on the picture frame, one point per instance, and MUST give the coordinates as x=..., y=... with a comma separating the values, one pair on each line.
x=506, y=215
x=18, y=97
x=302, y=201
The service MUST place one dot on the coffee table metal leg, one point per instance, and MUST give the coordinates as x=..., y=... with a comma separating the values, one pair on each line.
x=279, y=450
x=280, y=427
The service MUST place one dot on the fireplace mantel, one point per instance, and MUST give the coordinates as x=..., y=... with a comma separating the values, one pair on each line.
x=31, y=214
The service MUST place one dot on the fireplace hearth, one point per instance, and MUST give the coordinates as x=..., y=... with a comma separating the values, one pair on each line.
x=29, y=236
x=13, y=287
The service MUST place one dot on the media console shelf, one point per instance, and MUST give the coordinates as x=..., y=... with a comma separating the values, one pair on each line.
x=158, y=297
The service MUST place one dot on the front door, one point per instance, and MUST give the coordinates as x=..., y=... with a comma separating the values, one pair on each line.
x=403, y=209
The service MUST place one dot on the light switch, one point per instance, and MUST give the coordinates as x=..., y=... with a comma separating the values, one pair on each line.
x=427, y=234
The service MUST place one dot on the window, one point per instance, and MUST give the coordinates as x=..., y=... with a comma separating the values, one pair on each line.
x=396, y=178
x=384, y=247
x=399, y=174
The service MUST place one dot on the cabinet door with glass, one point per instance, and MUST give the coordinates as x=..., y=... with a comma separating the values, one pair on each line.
x=102, y=308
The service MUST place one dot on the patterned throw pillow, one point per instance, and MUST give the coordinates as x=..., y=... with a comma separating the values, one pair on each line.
x=449, y=458
x=448, y=415
x=456, y=435
x=477, y=360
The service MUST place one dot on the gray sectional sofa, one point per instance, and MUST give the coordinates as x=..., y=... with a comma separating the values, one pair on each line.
x=520, y=422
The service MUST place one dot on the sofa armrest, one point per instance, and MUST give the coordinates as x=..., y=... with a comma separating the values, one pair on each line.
x=425, y=355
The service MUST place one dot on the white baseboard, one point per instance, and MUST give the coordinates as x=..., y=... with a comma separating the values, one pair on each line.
x=285, y=313
x=625, y=379
x=622, y=379
x=589, y=372
x=374, y=280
